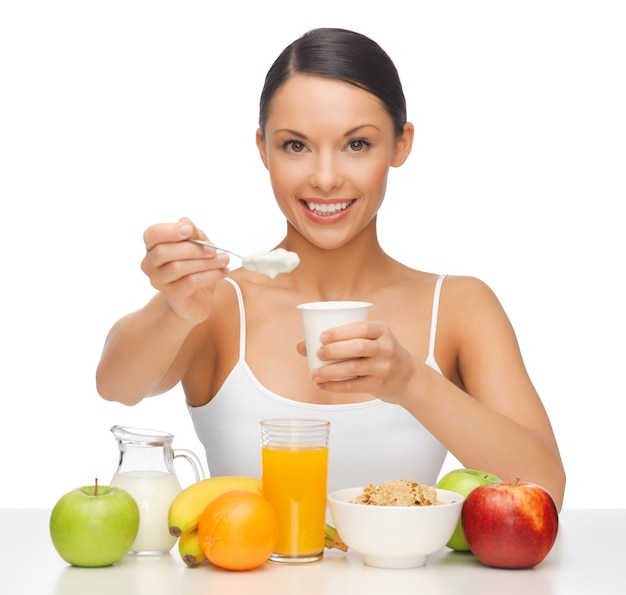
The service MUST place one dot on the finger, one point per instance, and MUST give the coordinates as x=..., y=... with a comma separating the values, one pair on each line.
x=168, y=250
x=176, y=263
x=348, y=349
x=368, y=329
x=346, y=373
x=163, y=255
x=199, y=234
x=168, y=232
x=190, y=284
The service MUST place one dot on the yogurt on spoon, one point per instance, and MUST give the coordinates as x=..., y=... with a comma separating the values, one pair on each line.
x=272, y=263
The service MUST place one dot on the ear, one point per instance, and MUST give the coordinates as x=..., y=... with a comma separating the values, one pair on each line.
x=261, y=147
x=404, y=143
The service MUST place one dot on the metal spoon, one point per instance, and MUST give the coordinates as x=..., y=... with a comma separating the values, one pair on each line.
x=209, y=245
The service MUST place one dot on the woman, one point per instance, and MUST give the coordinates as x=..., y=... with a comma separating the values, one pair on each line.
x=436, y=367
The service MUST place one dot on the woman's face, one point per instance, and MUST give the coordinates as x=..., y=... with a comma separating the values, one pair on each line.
x=328, y=147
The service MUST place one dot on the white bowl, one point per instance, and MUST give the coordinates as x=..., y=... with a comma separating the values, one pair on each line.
x=394, y=536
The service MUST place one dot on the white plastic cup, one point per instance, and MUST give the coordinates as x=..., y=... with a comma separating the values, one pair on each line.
x=318, y=317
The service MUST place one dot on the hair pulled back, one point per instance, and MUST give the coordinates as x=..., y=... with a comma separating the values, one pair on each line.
x=340, y=55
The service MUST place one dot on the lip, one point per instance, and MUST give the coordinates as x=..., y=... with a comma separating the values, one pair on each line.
x=327, y=218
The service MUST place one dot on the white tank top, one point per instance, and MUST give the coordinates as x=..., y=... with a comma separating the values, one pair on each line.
x=370, y=442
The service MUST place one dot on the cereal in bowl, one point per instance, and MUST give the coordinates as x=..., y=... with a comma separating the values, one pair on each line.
x=398, y=492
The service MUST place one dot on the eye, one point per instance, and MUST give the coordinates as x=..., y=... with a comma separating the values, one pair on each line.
x=358, y=144
x=294, y=146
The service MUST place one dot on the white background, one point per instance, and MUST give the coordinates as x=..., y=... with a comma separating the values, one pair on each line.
x=116, y=115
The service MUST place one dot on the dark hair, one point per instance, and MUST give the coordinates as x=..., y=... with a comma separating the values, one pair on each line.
x=341, y=55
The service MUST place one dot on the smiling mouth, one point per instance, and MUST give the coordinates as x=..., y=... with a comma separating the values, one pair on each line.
x=327, y=209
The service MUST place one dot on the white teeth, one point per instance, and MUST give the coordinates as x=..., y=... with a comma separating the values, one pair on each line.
x=328, y=209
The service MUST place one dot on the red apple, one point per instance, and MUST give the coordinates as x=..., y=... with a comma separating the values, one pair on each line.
x=510, y=525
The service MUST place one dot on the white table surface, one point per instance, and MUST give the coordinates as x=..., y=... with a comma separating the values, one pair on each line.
x=589, y=557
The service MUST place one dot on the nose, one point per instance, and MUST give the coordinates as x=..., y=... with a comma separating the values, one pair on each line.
x=326, y=175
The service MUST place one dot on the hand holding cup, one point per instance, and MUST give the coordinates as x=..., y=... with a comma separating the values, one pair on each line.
x=318, y=317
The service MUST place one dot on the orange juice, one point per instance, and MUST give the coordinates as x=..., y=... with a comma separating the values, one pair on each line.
x=294, y=482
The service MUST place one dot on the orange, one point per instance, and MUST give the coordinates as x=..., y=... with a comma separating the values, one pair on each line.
x=238, y=530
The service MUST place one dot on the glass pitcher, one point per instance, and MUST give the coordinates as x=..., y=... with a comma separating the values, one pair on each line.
x=146, y=471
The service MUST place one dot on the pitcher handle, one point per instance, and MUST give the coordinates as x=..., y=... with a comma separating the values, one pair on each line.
x=193, y=460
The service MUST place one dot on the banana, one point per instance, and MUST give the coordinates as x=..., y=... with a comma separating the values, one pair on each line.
x=189, y=548
x=333, y=540
x=187, y=507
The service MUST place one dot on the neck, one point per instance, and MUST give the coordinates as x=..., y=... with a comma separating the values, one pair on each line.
x=349, y=271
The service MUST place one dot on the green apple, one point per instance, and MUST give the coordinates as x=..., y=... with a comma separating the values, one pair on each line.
x=94, y=525
x=463, y=481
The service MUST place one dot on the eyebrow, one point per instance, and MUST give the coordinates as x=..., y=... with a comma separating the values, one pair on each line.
x=304, y=136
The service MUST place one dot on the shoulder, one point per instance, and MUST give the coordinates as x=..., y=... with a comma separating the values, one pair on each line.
x=471, y=312
x=468, y=292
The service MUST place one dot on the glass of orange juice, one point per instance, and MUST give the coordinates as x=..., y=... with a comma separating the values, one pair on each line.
x=294, y=455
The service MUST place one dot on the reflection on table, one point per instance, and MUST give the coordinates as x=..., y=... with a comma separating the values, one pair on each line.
x=586, y=558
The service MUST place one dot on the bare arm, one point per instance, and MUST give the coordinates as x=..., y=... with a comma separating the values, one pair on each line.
x=491, y=417
x=143, y=354
x=505, y=422
x=485, y=434
x=147, y=352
